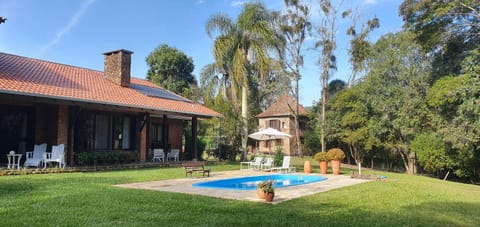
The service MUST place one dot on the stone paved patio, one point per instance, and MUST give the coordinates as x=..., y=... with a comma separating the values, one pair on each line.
x=184, y=185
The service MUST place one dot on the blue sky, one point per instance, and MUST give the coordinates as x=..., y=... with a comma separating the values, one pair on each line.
x=78, y=32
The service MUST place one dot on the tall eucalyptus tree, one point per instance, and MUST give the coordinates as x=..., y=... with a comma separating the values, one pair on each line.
x=296, y=26
x=359, y=45
x=327, y=44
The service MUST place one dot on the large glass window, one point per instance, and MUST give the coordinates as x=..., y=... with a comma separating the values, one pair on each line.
x=105, y=132
x=157, y=134
x=16, y=129
x=102, y=132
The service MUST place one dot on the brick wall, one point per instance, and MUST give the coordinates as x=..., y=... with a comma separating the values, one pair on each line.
x=143, y=144
x=286, y=126
x=117, y=67
x=62, y=125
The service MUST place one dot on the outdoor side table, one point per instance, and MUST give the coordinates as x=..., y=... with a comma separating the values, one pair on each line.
x=14, y=161
x=248, y=163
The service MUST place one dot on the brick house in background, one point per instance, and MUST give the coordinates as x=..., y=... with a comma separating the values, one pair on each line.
x=280, y=116
x=89, y=110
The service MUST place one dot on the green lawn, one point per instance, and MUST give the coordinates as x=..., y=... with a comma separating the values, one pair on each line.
x=89, y=199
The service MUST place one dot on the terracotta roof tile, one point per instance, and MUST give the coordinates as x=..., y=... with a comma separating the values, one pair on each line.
x=33, y=77
x=282, y=107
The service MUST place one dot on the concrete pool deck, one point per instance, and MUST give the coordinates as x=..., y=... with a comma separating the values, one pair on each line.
x=184, y=185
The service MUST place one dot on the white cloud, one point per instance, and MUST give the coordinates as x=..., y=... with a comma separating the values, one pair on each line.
x=200, y=2
x=71, y=24
x=369, y=2
x=238, y=3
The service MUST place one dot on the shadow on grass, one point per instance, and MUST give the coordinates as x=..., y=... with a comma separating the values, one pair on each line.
x=91, y=200
x=322, y=211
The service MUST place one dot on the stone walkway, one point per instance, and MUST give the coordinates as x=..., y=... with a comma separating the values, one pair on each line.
x=184, y=185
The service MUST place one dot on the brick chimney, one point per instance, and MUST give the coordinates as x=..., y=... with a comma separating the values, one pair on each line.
x=117, y=67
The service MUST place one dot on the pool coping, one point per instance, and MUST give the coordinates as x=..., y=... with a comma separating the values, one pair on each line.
x=184, y=185
x=258, y=178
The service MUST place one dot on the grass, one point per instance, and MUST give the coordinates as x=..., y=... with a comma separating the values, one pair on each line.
x=89, y=199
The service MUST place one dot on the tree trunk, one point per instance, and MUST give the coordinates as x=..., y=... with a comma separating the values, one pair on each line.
x=324, y=106
x=224, y=86
x=244, y=121
x=446, y=175
x=295, y=115
x=357, y=158
x=404, y=160
x=236, y=105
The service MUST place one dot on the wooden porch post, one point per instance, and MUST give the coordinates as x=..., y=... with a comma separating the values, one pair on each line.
x=143, y=136
x=194, y=138
x=164, y=134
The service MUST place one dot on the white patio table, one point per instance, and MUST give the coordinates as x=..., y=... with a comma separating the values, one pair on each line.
x=14, y=161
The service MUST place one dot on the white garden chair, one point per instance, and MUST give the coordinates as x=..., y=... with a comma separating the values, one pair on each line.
x=257, y=163
x=57, y=156
x=174, y=153
x=35, y=158
x=158, y=155
x=285, y=166
x=268, y=164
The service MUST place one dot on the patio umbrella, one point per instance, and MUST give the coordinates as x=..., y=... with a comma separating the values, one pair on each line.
x=269, y=134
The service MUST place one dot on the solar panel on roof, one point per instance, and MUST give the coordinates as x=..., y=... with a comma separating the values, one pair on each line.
x=158, y=92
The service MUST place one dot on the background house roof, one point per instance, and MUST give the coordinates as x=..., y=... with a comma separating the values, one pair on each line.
x=284, y=106
x=32, y=77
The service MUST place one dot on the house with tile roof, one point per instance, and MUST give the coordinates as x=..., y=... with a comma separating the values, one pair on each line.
x=280, y=116
x=89, y=110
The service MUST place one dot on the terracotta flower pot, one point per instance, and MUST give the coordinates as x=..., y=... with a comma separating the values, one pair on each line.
x=323, y=167
x=269, y=197
x=336, y=167
x=260, y=193
x=307, y=167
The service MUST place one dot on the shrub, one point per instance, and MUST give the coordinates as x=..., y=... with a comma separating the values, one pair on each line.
x=431, y=152
x=266, y=186
x=336, y=154
x=84, y=158
x=278, y=157
x=105, y=157
x=312, y=142
x=322, y=157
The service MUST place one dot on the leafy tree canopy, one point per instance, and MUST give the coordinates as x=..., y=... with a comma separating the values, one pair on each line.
x=449, y=29
x=431, y=152
x=435, y=22
x=171, y=69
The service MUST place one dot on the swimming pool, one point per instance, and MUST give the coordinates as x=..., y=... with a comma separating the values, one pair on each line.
x=250, y=183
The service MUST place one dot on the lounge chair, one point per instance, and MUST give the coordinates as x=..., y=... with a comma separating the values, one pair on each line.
x=257, y=163
x=35, y=158
x=268, y=164
x=285, y=166
x=158, y=155
x=174, y=153
x=57, y=156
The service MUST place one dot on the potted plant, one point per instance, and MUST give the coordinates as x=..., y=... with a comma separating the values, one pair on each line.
x=322, y=158
x=336, y=155
x=265, y=190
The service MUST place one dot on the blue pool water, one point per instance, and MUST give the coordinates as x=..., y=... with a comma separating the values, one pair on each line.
x=250, y=183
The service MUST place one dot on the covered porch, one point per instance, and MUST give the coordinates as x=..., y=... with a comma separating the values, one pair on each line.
x=93, y=133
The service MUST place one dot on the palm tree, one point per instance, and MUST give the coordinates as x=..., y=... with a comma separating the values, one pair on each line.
x=214, y=82
x=238, y=45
